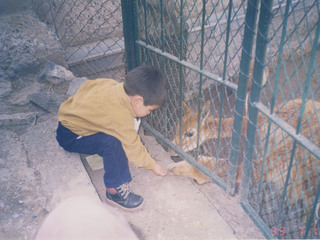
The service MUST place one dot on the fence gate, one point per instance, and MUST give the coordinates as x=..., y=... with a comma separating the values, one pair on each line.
x=215, y=54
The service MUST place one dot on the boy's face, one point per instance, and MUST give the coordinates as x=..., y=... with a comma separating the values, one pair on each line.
x=144, y=110
x=139, y=108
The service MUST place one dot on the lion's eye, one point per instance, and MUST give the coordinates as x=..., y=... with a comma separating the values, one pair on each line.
x=188, y=134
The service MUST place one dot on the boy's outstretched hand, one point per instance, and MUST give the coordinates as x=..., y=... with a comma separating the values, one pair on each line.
x=159, y=170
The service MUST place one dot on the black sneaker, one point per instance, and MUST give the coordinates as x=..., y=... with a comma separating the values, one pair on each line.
x=125, y=199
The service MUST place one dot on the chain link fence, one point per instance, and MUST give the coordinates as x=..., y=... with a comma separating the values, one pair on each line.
x=244, y=102
x=91, y=35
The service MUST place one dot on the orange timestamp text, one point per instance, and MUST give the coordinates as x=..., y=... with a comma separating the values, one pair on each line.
x=281, y=231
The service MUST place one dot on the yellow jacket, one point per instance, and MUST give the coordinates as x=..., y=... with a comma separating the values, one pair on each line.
x=102, y=105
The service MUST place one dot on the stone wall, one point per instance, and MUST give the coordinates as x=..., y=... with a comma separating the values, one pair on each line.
x=26, y=45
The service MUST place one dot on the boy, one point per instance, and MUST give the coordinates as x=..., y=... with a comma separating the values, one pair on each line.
x=100, y=119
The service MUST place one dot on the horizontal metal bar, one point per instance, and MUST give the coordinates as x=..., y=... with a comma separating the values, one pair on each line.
x=189, y=65
x=314, y=149
x=184, y=155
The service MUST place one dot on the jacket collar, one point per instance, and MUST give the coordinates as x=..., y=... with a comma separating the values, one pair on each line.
x=124, y=99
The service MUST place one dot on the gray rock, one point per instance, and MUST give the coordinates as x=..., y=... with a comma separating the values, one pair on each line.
x=48, y=101
x=55, y=74
x=16, y=119
x=26, y=67
x=12, y=75
x=20, y=97
x=5, y=88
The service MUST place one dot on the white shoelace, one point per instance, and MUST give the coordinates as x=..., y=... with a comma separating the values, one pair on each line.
x=124, y=190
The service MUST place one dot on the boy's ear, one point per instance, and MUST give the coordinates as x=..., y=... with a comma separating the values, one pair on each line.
x=137, y=100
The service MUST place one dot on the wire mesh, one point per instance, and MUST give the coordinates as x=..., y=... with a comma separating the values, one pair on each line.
x=199, y=117
x=194, y=43
x=90, y=33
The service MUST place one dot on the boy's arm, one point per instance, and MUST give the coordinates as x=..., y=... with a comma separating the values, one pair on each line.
x=135, y=151
x=156, y=169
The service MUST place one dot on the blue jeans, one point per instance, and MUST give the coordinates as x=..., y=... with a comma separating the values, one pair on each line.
x=115, y=161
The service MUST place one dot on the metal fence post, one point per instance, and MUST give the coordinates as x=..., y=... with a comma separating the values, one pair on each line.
x=249, y=33
x=260, y=55
x=261, y=47
x=130, y=32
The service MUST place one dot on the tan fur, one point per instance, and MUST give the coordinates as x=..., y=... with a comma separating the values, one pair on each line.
x=186, y=169
x=209, y=125
x=208, y=128
x=305, y=169
x=288, y=112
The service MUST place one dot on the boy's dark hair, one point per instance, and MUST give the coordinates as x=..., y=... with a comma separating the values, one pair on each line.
x=149, y=83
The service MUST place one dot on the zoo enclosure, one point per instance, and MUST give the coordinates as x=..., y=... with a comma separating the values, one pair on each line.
x=205, y=49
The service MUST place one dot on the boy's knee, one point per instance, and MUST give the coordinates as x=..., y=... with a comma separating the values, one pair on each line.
x=109, y=143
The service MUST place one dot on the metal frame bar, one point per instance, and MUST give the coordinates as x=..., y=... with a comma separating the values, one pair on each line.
x=188, y=65
x=260, y=55
x=200, y=96
x=130, y=31
x=247, y=46
x=222, y=91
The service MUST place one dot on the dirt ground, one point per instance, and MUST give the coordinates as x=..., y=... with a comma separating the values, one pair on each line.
x=178, y=205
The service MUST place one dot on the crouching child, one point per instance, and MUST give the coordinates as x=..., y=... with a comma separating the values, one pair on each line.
x=100, y=119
